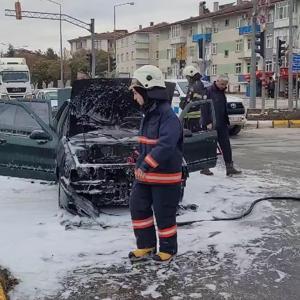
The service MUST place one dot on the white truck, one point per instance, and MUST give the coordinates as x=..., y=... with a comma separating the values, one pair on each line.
x=14, y=78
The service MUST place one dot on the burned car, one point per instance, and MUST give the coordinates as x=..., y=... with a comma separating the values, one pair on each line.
x=90, y=147
x=96, y=155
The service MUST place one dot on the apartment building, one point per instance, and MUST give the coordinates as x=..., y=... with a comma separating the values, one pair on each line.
x=103, y=41
x=136, y=49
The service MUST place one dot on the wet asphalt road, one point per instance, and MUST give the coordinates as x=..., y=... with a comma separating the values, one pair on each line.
x=275, y=272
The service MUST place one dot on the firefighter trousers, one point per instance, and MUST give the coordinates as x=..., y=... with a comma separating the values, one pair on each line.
x=162, y=200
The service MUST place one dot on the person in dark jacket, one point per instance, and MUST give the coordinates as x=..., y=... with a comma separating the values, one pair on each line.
x=216, y=92
x=158, y=171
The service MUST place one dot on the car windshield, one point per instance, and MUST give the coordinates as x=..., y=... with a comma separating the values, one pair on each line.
x=13, y=76
x=41, y=109
x=183, y=86
x=51, y=95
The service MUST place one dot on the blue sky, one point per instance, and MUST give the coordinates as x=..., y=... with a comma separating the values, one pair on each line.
x=41, y=34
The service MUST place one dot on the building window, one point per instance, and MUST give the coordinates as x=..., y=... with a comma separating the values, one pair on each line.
x=214, y=70
x=227, y=22
x=249, y=44
x=239, y=45
x=122, y=42
x=127, y=56
x=215, y=27
x=269, y=66
x=270, y=18
x=269, y=41
x=249, y=67
x=118, y=58
x=238, y=68
x=192, y=51
x=214, y=49
x=239, y=22
x=282, y=11
x=173, y=51
x=175, y=31
x=169, y=53
x=157, y=54
x=78, y=45
x=226, y=53
x=132, y=55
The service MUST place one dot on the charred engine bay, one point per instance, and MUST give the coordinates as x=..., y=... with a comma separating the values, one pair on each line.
x=100, y=103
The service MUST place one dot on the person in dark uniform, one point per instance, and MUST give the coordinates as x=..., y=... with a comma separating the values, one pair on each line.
x=196, y=87
x=216, y=92
x=158, y=172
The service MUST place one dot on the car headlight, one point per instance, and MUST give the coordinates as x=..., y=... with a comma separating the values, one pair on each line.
x=29, y=96
x=4, y=97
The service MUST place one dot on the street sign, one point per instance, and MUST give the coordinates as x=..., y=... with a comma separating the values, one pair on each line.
x=296, y=63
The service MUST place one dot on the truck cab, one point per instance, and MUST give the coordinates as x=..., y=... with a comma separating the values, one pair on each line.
x=14, y=79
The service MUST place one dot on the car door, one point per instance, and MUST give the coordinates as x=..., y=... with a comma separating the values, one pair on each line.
x=200, y=146
x=27, y=144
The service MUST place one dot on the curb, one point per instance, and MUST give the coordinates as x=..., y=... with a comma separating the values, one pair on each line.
x=273, y=124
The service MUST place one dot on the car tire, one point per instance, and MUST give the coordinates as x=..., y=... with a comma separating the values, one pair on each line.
x=235, y=130
x=59, y=195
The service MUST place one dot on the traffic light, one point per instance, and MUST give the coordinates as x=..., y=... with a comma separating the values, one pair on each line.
x=281, y=51
x=260, y=44
x=18, y=10
x=89, y=60
x=113, y=64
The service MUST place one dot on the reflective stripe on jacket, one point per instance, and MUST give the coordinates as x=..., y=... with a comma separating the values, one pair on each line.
x=161, y=146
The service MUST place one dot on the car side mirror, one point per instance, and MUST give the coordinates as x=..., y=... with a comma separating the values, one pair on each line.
x=39, y=135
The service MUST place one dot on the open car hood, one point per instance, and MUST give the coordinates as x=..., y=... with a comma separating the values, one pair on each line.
x=102, y=103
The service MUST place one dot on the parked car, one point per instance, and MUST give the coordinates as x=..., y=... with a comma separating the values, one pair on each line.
x=235, y=105
x=94, y=139
x=51, y=95
x=28, y=141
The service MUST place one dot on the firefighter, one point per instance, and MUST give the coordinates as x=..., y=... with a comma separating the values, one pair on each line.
x=157, y=189
x=196, y=91
x=196, y=87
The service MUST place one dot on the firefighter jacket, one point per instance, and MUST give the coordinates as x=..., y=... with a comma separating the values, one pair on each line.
x=160, y=145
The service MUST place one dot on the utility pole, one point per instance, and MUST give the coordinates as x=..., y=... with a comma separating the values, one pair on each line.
x=277, y=77
x=253, y=58
x=291, y=104
x=93, y=48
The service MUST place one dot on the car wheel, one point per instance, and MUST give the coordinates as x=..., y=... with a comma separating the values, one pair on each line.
x=235, y=130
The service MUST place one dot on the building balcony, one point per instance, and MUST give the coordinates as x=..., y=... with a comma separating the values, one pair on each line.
x=246, y=30
x=142, y=61
x=178, y=40
x=245, y=54
x=142, y=45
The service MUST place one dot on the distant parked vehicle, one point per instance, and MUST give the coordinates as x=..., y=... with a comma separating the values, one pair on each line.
x=51, y=95
x=14, y=79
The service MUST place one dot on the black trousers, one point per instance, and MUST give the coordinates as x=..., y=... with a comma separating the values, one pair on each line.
x=163, y=201
x=224, y=142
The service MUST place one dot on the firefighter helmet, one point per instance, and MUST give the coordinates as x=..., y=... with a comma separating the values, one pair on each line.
x=148, y=77
x=190, y=71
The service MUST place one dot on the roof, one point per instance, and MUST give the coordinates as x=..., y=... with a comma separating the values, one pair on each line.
x=102, y=36
x=146, y=29
x=227, y=10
